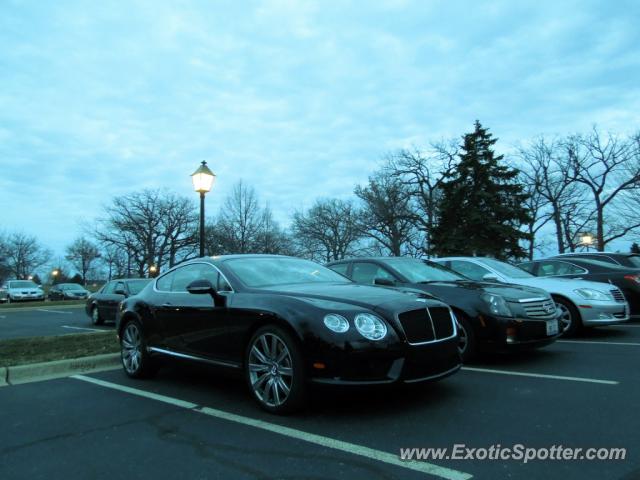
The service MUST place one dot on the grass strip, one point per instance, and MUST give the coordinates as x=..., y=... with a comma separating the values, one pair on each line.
x=20, y=351
x=48, y=303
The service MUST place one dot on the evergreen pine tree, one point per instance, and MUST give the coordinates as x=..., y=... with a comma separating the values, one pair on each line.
x=635, y=248
x=482, y=205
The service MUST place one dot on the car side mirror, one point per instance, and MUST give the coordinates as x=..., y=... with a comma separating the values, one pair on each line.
x=203, y=286
x=384, y=282
x=490, y=277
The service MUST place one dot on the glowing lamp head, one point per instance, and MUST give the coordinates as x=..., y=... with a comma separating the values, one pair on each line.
x=203, y=179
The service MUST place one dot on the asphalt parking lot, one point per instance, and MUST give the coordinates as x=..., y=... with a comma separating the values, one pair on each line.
x=45, y=321
x=194, y=422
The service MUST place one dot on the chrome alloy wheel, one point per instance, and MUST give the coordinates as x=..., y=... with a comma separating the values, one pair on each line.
x=565, y=318
x=270, y=369
x=131, y=348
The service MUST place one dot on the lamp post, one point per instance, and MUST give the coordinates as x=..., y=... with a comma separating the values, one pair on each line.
x=202, y=179
x=153, y=270
x=55, y=274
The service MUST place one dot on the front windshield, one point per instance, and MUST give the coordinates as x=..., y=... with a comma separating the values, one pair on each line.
x=22, y=284
x=417, y=271
x=271, y=271
x=507, y=269
x=72, y=286
x=136, y=286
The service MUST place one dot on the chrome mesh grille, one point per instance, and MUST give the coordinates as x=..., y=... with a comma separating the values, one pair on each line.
x=427, y=325
x=540, y=309
x=618, y=296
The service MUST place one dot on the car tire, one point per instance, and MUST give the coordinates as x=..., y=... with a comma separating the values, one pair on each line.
x=570, y=322
x=467, y=341
x=136, y=360
x=275, y=371
x=96, y=319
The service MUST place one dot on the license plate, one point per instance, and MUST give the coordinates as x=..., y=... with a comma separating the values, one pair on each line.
x=552, y=328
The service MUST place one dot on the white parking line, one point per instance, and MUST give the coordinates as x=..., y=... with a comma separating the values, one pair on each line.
x=541, y=375
x=53, y=311
x=327, y=442
x=628, y=344
x=82, y=328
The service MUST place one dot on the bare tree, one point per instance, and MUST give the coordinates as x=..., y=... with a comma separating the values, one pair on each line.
x=24, y=254
x=607, y=166
x=535, y=203
x=547, y=173
x=329, y=230
x=82, y=254
x=153, y=227
x=387, y=216
x=115, y=261
x=422, y=173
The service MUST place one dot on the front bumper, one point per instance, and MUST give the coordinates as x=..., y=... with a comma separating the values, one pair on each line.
x=515, y=334
x=603, y=313
x=401, y=363
x=25, y=297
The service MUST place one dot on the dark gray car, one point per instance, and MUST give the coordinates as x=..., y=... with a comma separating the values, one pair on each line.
x=102, y=305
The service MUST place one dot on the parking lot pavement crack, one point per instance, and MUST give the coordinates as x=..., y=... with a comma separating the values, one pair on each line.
x=53, y=438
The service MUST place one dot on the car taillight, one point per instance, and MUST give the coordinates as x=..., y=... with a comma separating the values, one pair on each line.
x=633, y=278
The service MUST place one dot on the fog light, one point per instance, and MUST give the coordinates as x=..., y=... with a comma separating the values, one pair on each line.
x=604, y=316
x=511, y=334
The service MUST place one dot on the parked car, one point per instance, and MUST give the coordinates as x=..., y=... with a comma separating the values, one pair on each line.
x=67, y=291
x=4, y=294
x=631, y=260
x=582, y=303
x=22, y=290
x=492, y=317
x=285, y=322
x=625, y=278
x=102, y=305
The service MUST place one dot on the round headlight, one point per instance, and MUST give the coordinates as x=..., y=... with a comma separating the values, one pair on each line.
x=370, y=326
x=336, y=323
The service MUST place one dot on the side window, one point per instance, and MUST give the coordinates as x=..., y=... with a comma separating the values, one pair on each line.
x=164, y=283
x=197, y=271
x=528, y=266
x=340, y=268
x=109, y=288
x=364, y=272
x=549, y=267
x=184, y=276
x=469, y=269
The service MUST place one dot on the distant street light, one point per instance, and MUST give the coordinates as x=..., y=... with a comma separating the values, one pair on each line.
x=153, y=270
x=202, y=179
x=586, y=240
x=54, y=273
x=30, y=277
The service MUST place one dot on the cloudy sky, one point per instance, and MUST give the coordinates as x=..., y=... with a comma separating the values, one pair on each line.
x=299, y=99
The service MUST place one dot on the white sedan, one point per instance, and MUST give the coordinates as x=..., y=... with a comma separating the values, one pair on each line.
x=581, y=302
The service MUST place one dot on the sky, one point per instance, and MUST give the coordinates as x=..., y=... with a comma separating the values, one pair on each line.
x=299, y=99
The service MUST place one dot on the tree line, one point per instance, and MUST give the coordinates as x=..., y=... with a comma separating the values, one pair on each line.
x=449, y=198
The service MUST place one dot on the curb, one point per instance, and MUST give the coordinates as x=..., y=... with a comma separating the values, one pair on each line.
x=37, y=372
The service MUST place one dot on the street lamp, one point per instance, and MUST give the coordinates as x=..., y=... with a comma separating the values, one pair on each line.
x=55, y=274
x=202, y=179
x=586, y=239
x=152, y=271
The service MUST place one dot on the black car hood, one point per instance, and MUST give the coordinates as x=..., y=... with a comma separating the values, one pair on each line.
x=353, y=294
x=445, y=290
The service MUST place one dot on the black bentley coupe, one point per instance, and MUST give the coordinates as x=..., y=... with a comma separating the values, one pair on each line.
x=492, y=316
x=285, y=322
